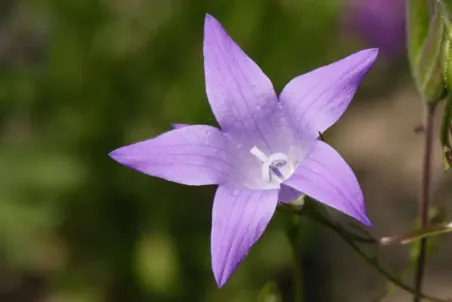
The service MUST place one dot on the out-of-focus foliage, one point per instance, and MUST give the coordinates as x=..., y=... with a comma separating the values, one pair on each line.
x=79, y=78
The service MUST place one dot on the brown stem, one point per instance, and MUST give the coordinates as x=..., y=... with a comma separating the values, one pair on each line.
x=425, y=197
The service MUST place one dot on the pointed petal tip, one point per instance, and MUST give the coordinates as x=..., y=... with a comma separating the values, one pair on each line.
x=366, y=221
x=210, y=20
x=371, y=53
x=360, y=214
x=220, y=280
x=114, y=154
x=369, y=224
x=220, y=274
x=211, y=26
x=316, y=100
x=374, y=50
x=118, y=155
x=239, y=218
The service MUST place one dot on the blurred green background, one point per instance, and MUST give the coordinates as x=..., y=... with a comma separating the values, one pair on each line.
x=79, y=78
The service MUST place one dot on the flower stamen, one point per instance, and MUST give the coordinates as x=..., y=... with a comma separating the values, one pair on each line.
x=277, y=166
x=259, y=154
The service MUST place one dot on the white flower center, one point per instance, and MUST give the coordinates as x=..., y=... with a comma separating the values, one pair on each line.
x=275, y=168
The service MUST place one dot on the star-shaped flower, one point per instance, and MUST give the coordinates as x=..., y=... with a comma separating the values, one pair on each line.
x=267, y=150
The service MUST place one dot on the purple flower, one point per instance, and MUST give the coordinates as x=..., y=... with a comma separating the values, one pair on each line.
x=267, y=149
x=380, y=22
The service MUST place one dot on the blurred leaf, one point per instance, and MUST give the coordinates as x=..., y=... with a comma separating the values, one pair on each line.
x=156, y=264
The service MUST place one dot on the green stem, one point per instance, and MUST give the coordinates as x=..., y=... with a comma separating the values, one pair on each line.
x=431, y=230
x=292, y=235
x=425, y=198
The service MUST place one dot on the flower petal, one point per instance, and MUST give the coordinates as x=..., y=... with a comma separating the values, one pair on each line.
x=324, y=175
x=288, y=194
x=192, y=155
x=316, y=100
x=178, y=125
x=242, y=97
x=239, y=217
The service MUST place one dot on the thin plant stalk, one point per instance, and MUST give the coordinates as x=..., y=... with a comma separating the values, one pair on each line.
x=425, y=197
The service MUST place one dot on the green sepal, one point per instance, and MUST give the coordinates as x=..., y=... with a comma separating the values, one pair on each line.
x=447, y=115
x=417, y=25
x=445, y=10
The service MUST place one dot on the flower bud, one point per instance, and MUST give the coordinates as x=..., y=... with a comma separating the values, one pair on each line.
x=446, y=61
x=425, y=34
